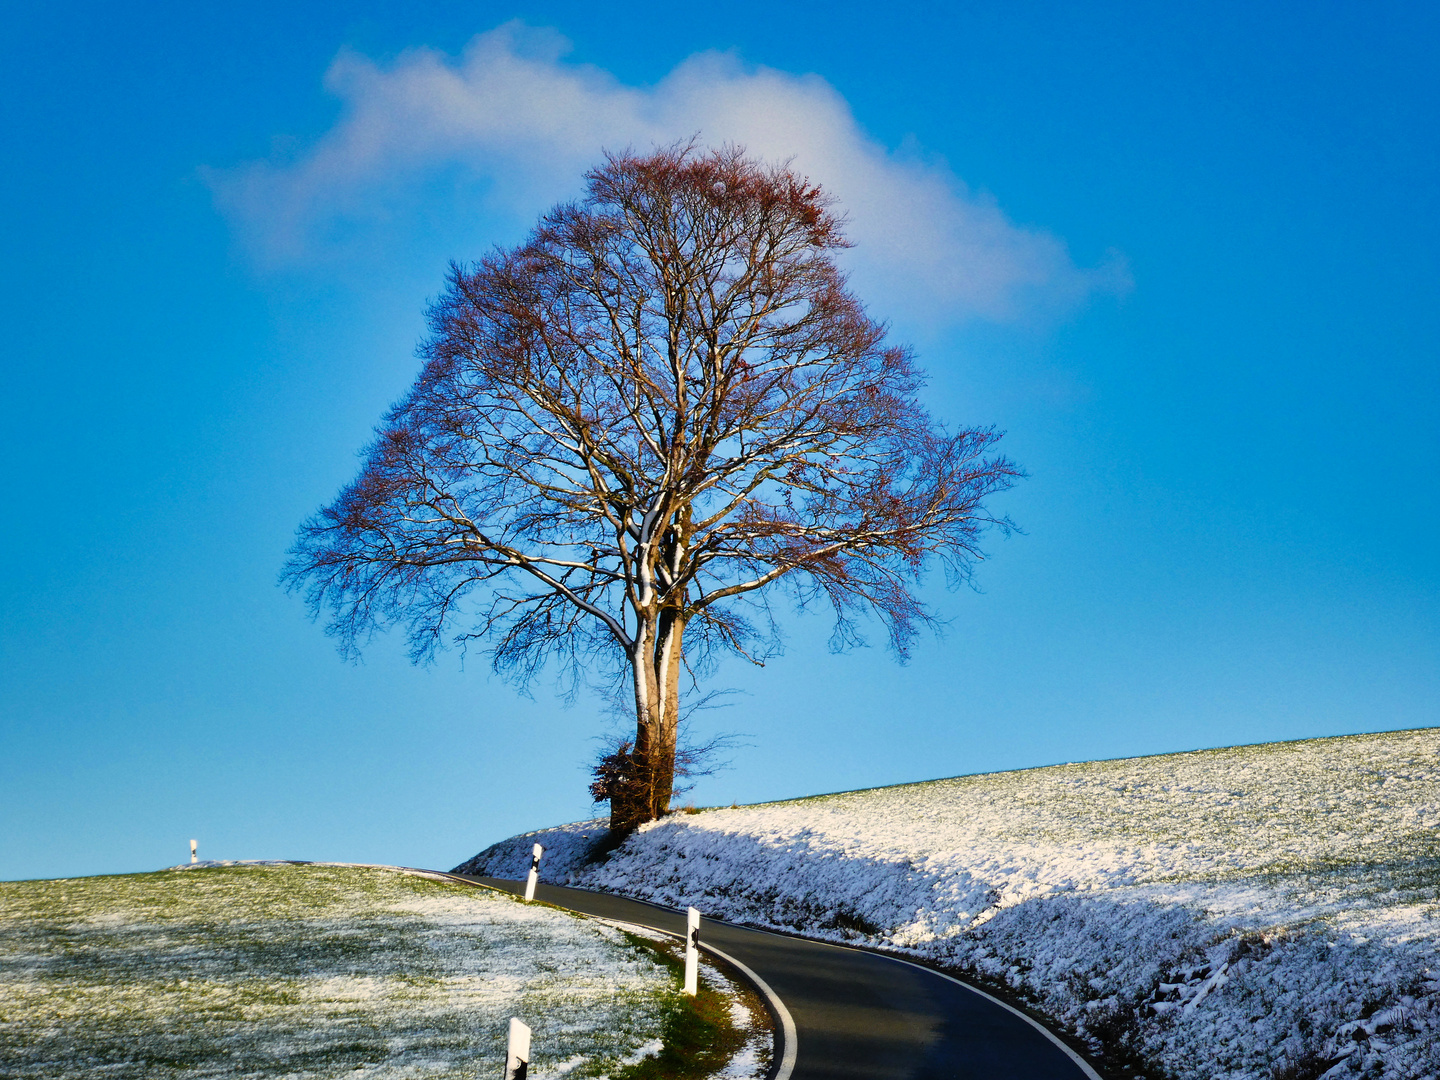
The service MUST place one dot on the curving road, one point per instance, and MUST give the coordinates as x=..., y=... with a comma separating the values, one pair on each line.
x=858, y=1014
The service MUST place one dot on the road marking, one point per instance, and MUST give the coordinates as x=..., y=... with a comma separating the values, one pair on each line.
x=787, y=1024
x=1080, y=1062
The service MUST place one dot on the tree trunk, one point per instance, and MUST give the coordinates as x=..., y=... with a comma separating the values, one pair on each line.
x=668, y=653
x=646, y=794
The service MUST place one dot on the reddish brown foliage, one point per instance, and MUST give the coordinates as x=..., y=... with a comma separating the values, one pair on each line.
x=629, y=426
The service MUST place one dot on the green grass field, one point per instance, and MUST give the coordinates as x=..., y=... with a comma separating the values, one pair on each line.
x=310, y=971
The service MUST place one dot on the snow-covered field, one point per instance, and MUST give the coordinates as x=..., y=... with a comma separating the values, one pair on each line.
x=310, y=971
x=1260, y=912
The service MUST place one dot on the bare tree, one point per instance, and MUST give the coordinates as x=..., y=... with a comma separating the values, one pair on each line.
x=630, y=425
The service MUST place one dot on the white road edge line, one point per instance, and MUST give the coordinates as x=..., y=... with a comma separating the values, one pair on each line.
x=1083, y=1065
x=787, y=1024
x=788, y=1040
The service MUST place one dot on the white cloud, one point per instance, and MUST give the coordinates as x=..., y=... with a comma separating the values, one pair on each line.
x=513, y=117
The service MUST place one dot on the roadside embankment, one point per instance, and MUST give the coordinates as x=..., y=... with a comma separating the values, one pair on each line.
x=1253, y=912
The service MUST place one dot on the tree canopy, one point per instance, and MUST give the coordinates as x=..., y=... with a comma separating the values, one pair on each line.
x=635, y=431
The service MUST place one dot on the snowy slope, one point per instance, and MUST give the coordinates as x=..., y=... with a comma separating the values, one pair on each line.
x=1264, y=911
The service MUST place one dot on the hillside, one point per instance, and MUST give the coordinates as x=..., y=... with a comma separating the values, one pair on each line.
x=1256, y=912
x=315, y=971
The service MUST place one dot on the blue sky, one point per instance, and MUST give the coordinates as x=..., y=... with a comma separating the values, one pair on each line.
x=1185, y=257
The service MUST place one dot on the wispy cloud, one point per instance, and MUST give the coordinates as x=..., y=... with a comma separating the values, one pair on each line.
x=513, y=121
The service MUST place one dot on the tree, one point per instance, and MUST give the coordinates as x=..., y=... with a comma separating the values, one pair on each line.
x=634, y=431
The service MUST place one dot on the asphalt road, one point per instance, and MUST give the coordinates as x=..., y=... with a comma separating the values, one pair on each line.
x=858, y=1014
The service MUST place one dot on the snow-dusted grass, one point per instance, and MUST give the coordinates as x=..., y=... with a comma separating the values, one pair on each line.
x=1256, y=912
x=310, y=971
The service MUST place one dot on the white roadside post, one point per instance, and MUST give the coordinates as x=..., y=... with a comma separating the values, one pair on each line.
x=517, y=1051
x=692, y=951
x=534, y=872
x=193, y=856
